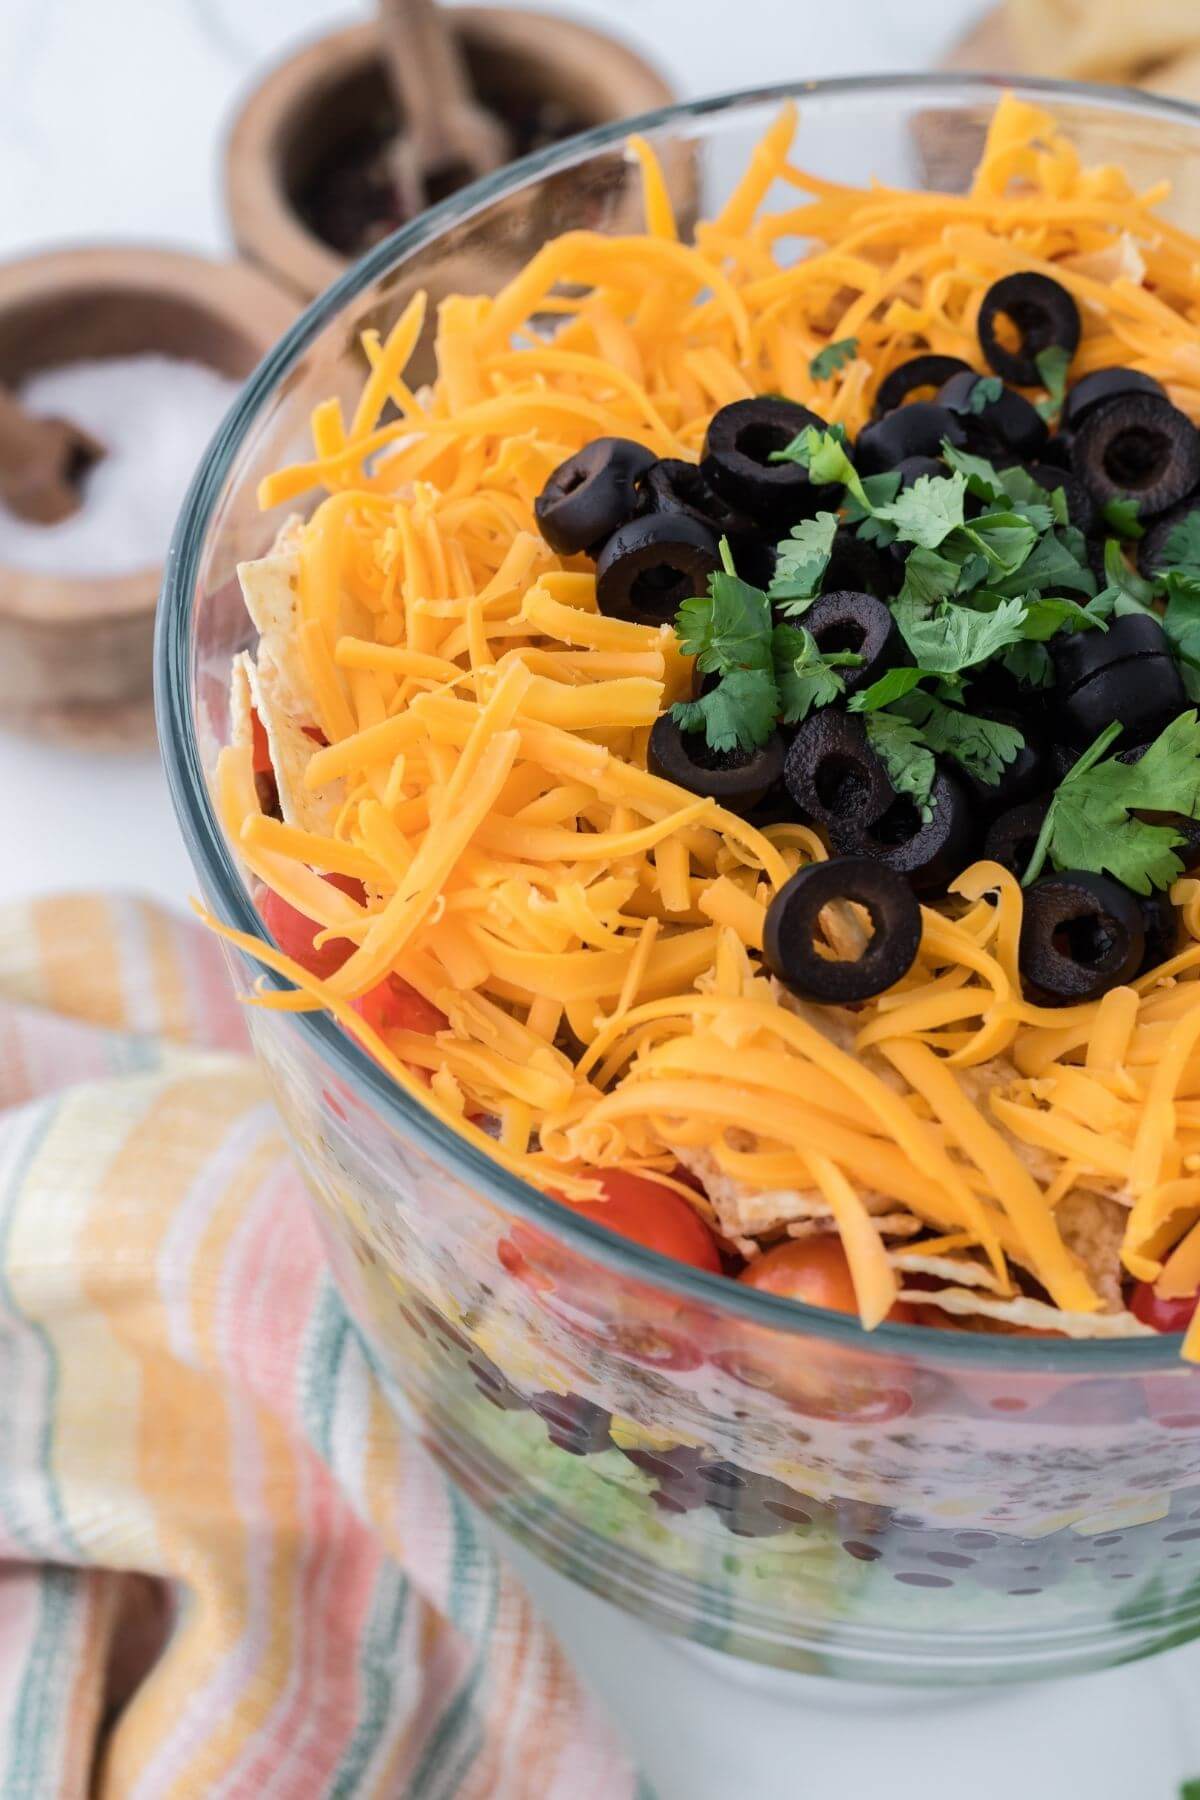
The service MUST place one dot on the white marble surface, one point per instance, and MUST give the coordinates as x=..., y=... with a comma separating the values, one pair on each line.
x=110, y=118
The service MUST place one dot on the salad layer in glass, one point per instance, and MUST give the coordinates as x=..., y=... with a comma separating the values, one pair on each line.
x=728, y=743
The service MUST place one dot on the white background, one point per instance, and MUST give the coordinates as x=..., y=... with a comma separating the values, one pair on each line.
x=111, y=113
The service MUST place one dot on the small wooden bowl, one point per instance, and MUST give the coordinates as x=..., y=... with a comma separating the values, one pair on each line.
x=319, y=97
x=75, y=653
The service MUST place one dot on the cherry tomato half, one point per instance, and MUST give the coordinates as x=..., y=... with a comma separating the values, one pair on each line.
x=638, y=1207
x=395, y=1006
x=1161, y=1315
x=814, y=1270
x=294, y=931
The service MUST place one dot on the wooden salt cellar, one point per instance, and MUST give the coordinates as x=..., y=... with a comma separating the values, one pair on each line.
x=75, y=653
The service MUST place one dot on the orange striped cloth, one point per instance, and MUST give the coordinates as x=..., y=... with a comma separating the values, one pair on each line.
x=223, y=1570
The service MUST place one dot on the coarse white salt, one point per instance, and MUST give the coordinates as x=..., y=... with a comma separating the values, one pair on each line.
x=154, y=415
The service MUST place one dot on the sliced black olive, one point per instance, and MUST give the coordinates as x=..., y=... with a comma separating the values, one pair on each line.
x=674, y=486
x=1020, y=779
x=738, y=446
x=862, y=566
x=862, y=624
x=1081, y=934
x=914, y=430
x=1138, y=447
x=1127, y=673
x=1012, y=838
x=648, y=568
x=793, y=921
x=913, y=467
x=832, y=773
x=929, y=853
x=1010, y=422
x=928, y=371
x=1152, y=549
x=590, y=494
x=1101, y=385
x=1160, y=922
x=1057, y=451
x=1045, y=317
x=1080, y=510
x=1080, y=654
x=738, y=779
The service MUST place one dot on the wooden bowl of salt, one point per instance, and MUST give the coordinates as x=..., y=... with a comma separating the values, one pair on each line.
x=145, y=350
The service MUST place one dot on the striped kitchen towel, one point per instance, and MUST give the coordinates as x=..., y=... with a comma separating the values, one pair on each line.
x=223, y=1570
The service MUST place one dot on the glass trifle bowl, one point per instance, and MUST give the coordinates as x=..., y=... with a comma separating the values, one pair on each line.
x=911, y=1505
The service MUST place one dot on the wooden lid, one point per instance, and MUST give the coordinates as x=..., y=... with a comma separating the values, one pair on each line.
x=75, y=651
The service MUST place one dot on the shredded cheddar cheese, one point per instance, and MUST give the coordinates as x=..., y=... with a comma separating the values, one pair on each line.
x=590, y=932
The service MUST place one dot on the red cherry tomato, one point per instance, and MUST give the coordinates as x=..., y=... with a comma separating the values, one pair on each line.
x=814, y=1270
x=395, y=1006
x=638, y=1207
x=1161, y=1315
x=294, y=932
x=262, y=749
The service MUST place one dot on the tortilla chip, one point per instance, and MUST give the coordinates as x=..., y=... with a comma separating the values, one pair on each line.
x=270, y=589
x=312, y=809
x=1092, y=1227
x=893, y=1224
x=961, y=1302
x=241, y=702
x=947, y=1268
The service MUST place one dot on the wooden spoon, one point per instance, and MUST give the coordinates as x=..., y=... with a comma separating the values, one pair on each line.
x=42, y=462
x=445, y=132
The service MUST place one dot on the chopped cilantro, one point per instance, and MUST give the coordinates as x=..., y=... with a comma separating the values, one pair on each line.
x=802, y=560
x=1121, y=517
x=1181, y=622
x=906, y=757
x=1182, y=548
x=891, y=686
x=986, y=391
x=957, y=638
x=806, y=677
x=1091, y=822
x=823, y=454
x=1190, y=1790
x=738, y=714
x=1126, y=591
x=1052, y=366
x=981, y=746
x=833, y=357
x=729, y=634
x=1052, y=565
x=927, y=512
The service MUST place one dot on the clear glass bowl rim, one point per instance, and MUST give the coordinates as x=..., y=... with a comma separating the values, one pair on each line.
x=220, y=878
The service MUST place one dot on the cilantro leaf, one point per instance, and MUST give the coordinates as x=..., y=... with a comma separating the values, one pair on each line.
x=1092, y=824
x=1004, y=538
x=908, y=760
x=878, y=490
x=957, y=638
x=806, y=677
x=1051, y=565
x=738, y=714
x=1052, y=365
x=983, y=478
x=1182, y=548
x=802, y=560
x=928, y=578
x=890, y=687
x=986, y=391
x=729, y=629
x=1121, y=517
x=981, y=746
x=1181, y=622
x=1030, y=664
x=1126, y=591
x=823, y=454
x=1044, y=616
x=833, y=357
x=928, y=511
